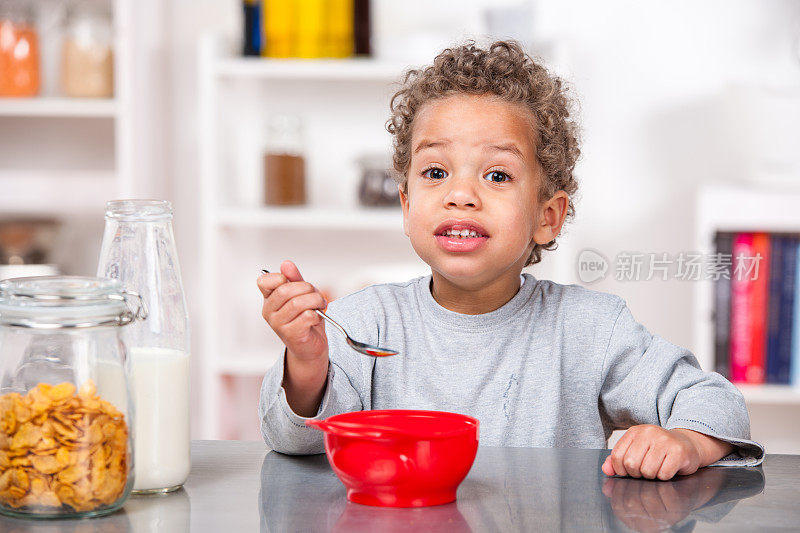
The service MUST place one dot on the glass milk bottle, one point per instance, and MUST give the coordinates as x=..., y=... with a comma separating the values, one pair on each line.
x=139, y=250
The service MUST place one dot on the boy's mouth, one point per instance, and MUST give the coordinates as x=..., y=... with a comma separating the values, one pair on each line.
x=460, y=236
x=461, y=229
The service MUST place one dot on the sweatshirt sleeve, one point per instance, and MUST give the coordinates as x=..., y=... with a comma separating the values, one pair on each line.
x=347, y=387
x=648, y=380
x=284, y=430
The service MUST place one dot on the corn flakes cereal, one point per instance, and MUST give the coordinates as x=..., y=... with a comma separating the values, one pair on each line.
x=61, y=449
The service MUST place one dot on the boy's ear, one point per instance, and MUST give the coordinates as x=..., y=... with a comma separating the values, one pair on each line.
x=551, y=218
x=404, y=203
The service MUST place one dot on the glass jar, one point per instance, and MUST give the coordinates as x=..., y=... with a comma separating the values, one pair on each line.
x=19, y=50
x=139, y=250
x=378, y=187
x=284, y=167
x=66, y=447
x=87, y=57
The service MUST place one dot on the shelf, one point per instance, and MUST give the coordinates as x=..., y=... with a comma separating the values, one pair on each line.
x=753, y=208
x=55, y=193
x=375, y=219
x=309, y=69
x=770, y=394
x=58, y=107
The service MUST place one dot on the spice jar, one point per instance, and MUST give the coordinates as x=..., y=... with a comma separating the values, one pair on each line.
x=66, y=447
x=139, y=250
x=19, y=50
x=284, y=166
x=378, y=187
x=87, y=57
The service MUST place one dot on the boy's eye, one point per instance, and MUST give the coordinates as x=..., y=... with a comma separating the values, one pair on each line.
x=435, y=173
x=497, y=176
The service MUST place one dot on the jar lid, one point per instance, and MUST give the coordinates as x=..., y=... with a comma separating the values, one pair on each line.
x=17, y=12
x=89, y=8
x=61, y=302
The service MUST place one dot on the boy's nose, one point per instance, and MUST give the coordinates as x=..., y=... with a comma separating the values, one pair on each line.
x=461, y=194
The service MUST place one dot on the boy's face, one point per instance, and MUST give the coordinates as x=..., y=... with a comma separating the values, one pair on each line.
x=473, y=167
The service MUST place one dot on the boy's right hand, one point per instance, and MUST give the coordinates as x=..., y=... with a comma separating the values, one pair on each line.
x=288, y=308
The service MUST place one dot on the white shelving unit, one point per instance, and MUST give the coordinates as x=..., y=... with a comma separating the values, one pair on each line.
x=45, y=106
x=740, y=208
x=771, y=395
x=312, y=218
x=343, y=104
x=43, y=193
x=315, y=70
x=63, y=156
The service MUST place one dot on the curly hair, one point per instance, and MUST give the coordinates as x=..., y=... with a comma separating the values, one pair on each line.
x=506, y=71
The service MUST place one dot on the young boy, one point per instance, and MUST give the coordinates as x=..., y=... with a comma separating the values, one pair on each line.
x=485, y=149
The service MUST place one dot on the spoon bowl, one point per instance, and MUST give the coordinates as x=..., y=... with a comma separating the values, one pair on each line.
x=361, y=347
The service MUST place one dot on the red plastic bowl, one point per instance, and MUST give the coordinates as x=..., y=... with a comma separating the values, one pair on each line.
x=400, y=458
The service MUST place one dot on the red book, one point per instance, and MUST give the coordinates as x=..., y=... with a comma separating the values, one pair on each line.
x=741, y=307
x=756, y=370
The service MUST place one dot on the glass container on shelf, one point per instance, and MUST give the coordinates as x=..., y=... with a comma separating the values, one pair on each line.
x=378, y=187
x=87, y=51
x=66, y=446
x=139, y=250
x=19, y=50
x=284, y=166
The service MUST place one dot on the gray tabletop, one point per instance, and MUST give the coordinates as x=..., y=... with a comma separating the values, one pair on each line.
x=242, y=486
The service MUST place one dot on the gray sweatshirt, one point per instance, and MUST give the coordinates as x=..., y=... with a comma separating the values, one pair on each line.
x=556, y=366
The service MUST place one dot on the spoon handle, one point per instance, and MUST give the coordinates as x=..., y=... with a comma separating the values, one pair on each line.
x=323, y=315
x=332, y=322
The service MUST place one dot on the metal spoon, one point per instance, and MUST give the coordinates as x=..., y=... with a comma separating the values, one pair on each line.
x=366, y=349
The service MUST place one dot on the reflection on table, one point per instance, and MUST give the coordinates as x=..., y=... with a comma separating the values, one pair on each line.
x=242, y=486
x=707, y=495
x=156, y=513
x=508, y=489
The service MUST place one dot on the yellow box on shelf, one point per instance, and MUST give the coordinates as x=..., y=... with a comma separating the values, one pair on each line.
x=339, y=35
x=311, y=18
x=308, y=28
x=279, y=27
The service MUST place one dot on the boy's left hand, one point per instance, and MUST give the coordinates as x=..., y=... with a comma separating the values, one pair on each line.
x=652, y=452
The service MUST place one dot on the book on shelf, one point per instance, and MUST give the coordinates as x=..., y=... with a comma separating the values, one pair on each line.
x=781, y=308
x=756, y=308
x=310, y=24
x=279, y=28
x=754, y=372
x=722, y=310
x=310, y=28
x=795, y=357
x=338, y=38
x=741, y=308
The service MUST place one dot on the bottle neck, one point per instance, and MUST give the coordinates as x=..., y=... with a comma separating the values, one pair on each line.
x=143, y=224
x=138, y=210
x=141, y=253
